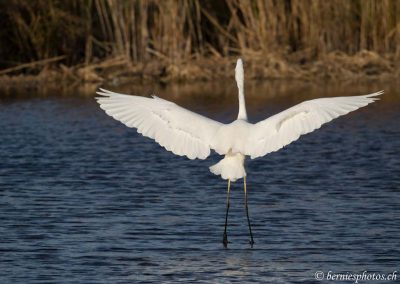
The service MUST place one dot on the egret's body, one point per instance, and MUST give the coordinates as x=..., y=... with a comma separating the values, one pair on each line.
x=186, y=133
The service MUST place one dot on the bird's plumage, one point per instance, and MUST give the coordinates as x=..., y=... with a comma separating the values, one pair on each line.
x=283, y=128
x=177, y=129
x=186, y=133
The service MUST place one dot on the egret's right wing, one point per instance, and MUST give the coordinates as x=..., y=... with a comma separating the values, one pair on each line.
x=177, y=129
x=283, y=128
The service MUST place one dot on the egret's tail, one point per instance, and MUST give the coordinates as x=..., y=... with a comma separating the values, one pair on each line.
x=230, y=167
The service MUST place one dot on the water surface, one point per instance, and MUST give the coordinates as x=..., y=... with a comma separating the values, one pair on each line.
x=86, y=200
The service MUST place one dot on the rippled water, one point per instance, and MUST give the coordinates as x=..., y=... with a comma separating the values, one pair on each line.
x=86, y=200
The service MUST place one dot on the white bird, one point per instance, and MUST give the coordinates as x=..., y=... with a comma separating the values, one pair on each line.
x=189, y=134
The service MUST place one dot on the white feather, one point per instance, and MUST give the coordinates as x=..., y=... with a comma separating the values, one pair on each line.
x=283, y=128
x=179, y=130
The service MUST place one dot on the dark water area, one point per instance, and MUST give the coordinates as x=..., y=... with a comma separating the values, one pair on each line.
x=84, y=199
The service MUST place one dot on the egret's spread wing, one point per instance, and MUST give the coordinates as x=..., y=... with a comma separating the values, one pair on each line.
x=283, y=128
x=179, y=130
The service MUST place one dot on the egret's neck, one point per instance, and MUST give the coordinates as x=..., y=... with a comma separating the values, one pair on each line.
x=242, y=104
x=239, y=77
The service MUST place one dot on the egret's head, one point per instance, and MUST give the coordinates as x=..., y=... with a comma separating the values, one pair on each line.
x=239, y=73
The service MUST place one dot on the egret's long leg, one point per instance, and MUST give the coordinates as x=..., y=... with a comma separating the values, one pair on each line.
x=225, y=239
x=247, y=213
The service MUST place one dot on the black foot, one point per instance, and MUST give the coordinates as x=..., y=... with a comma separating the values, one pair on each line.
x=251, y=242
x=225, y=240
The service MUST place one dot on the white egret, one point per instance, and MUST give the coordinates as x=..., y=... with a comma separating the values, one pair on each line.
x=189, y=134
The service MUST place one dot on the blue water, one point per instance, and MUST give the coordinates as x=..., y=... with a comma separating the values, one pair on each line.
x=83, y=199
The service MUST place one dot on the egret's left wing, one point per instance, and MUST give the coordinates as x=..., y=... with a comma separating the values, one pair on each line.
x=177, y=129
x=283, y=128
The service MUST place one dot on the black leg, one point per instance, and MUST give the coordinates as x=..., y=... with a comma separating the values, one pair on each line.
x=225, y=239
x=247, y=213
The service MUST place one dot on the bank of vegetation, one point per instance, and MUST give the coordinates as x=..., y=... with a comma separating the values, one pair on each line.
x=184, y=40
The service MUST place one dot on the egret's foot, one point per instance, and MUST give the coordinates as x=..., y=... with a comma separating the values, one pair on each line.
x=225, y=240
x=251, y=242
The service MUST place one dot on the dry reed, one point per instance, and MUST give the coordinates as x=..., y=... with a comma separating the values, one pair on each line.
x=177, y=32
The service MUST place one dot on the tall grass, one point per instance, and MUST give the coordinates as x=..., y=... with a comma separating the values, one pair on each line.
x=180, y=30
x=139, y=30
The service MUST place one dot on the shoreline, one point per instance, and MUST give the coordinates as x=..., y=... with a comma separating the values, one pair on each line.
x=335, y=66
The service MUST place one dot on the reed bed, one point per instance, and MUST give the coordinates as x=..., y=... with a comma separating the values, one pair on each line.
x=187, y=39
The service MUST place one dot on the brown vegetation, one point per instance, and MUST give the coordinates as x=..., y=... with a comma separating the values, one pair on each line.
x=95, y=40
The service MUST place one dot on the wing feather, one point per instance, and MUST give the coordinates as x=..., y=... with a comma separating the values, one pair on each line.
x=177, y=129
x=283, y=128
